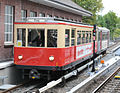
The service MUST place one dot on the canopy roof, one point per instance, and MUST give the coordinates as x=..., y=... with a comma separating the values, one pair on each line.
x=66, y=5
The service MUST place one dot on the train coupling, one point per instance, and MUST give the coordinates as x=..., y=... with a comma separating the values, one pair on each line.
x=34, y=74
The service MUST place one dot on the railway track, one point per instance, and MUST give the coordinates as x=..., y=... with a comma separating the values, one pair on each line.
x=110, y=85
x=24, y=87
x=31, y=87
x=72, y=83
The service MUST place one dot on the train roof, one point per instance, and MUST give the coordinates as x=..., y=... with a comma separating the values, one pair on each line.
x=103, y=29
x=52, y=20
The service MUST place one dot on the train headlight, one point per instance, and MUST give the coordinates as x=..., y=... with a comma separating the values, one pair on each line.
x=20, y=57
x=51, y=58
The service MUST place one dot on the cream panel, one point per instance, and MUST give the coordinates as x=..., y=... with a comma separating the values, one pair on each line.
x=60, y=29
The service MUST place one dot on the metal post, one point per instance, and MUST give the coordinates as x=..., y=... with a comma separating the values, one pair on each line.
x=94, y=34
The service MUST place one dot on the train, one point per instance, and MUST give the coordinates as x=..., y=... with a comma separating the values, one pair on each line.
x=47, y=47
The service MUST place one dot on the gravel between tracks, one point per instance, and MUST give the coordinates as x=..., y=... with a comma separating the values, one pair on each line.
x=88, y=88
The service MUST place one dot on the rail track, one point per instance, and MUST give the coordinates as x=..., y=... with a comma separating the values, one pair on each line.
x=24, y=87
x=29, y=87
x=110, y=85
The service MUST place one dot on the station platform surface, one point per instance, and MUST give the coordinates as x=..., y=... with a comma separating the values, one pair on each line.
x=6, y=64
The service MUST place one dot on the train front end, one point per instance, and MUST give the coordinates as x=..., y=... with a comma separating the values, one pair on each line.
x=50, y=48
x=38, y=48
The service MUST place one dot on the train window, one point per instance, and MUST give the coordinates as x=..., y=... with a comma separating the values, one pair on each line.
x=106, y=36
x=73, y=33
x=103, y=36
x=36, y=37
x=83, y=37
x=99, y=36
x=96, y=36
x=90, y=37
x=21, y=35
x=87, y=36
x=52, y=38
x=67, y=37
x=73, y=37
x=78, y=37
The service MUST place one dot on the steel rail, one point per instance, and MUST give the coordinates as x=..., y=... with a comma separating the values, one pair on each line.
x=17, y=86
x=107, y=80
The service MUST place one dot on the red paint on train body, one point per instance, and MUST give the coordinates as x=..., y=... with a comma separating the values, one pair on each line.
x=62, y=56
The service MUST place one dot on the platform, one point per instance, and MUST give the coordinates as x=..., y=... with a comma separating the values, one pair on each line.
x=6, y=64
x=6, y=86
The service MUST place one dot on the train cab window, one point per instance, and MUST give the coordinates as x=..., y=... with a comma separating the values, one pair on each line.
x=106, y=36
x=52, y=38
x=103, y=36
x=67, y=37
x=36, y=37
x=73, y=37
x=83, y=37
x=21, y=36
x=78, y=37
x=87, y=37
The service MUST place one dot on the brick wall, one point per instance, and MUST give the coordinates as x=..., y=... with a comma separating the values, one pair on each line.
x=6, y=52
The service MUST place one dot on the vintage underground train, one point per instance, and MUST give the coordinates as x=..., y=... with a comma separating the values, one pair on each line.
x=63, y=45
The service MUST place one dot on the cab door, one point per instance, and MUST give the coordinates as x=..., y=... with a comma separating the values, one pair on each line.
x=99, y=41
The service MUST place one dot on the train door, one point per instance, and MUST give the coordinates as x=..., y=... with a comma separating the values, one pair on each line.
x=73, y=44
x=108, y=39
x=100, y=40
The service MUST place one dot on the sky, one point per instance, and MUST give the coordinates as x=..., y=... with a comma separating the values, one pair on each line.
x=113, y=5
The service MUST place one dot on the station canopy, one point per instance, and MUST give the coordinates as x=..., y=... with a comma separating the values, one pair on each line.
x=66, y=5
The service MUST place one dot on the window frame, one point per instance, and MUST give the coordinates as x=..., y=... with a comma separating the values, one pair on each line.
x=41, y=14
x=9, y=16
x=79, y=32
x=34, y=14
x=24, y=15
x=73, y=36
x=68, y=37
x=22, y=38
x=56, y=39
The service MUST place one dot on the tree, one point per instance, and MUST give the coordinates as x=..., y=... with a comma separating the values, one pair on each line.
x=93, y=6
x=111, y=21
x=117, y=33
x=101, y=21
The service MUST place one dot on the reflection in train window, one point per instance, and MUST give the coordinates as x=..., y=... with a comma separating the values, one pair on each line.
x=21, y=35
x=36, y=37
x=83, y=37
x=79, y=37
x=87, y=36
x=67, y=37
x=90, y=37
x=73, y=37
x=52, y=38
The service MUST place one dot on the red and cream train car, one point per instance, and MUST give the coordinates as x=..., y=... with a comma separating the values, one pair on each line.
x=60, y=46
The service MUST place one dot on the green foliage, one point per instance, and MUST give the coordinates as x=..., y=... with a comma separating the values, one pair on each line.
x=110, y=21
x=93, y=6
x=100, y=21
x=116, y=33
